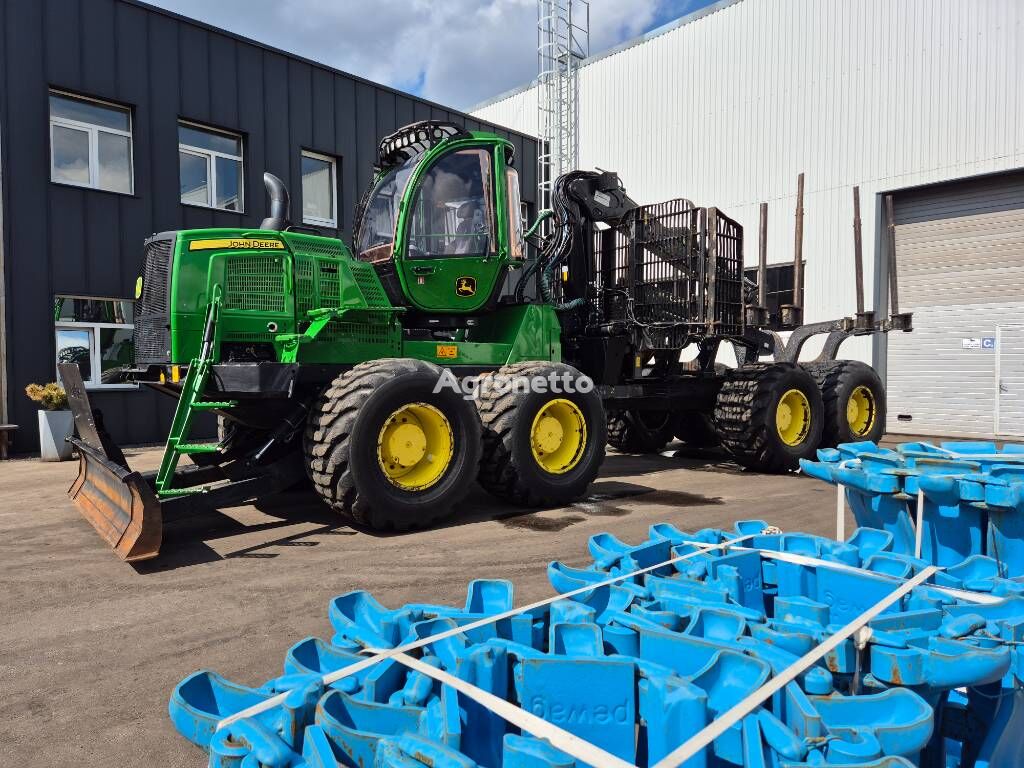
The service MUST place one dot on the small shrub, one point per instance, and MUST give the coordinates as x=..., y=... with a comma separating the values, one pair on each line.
x=51, y=397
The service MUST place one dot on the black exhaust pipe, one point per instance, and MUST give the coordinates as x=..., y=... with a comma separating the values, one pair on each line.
x=279, y=206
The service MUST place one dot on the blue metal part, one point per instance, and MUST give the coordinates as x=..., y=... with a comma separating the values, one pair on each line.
x=639, y=667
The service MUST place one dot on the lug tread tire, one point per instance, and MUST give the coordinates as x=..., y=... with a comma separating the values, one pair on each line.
x=745, y=419
x=327, y=445
x=500, y=475
x=836, y=379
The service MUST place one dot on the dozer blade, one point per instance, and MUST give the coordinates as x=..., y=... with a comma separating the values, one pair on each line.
x=120, y=503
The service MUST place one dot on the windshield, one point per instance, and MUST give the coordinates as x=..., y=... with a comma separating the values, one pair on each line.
x=376, y=236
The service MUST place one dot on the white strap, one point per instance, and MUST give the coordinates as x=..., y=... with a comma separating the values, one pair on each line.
x=581, y=749
x=720, y=725
x=981, y=598
x=976, y=456
x=359, y=666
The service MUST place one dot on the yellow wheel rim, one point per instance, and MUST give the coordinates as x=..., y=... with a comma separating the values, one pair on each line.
x=793, y=417
x=558, y=436
x=415, y=446
x=860, y=411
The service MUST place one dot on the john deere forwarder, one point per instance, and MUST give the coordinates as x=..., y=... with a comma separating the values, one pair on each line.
x=324, y=361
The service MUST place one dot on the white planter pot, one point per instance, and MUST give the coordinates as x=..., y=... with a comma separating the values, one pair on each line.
x=54, y=428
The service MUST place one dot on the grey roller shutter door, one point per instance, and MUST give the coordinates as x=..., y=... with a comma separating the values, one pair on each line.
x=960, y=249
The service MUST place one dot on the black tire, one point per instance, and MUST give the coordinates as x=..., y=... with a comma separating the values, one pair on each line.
x=640, y=431
x=697, y=430
x=746, y=410
x=342, y=452
x=508, y=469
x=838, y=380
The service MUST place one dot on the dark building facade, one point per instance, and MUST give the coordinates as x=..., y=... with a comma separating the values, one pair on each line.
x=118, y=120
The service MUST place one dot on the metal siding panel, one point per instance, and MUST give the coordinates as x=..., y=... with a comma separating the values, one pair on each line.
x=277, y=156
x=99, y=46
x=194, y=62
x=162, y=145
x=422, y=110
x=366, y=132
x=223, y=82
x=404, y=110
x=67, y=237
x=133, y=71
x=299, y=109
x=385, y=114
x=323, y=111
x=252, y=115
x=30, y=346
x=5, y=272
x=346, y=143
x=64, y=48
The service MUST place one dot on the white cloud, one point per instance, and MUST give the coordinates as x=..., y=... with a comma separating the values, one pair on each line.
x=456, y=52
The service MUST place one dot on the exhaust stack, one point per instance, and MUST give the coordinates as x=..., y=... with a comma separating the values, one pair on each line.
x=279, y=203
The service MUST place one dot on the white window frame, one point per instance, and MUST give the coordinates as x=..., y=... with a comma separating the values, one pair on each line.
x=211, y=167
x=93, y=132
x=95, y=360
x=333, y=162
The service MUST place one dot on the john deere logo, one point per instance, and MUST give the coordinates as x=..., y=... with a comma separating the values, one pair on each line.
x=465, y=286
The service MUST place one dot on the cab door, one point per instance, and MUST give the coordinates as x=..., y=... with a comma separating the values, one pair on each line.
x=452, y=255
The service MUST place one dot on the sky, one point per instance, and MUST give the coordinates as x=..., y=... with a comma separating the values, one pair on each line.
x=455, y=52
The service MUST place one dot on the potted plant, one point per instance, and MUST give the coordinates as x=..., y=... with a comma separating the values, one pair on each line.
x=56, y=423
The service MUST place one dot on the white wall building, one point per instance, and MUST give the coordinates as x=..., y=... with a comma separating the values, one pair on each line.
x=921, y=98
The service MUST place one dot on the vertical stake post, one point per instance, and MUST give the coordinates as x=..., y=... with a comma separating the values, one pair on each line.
x=858, y=252
x=894, y=293
x=762, y=259
x=798, y=248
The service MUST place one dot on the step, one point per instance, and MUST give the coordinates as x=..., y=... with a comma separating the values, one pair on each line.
x=173, y=492
x=197, y=447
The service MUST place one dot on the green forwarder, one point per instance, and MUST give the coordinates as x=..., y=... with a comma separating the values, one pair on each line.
x=332, y=365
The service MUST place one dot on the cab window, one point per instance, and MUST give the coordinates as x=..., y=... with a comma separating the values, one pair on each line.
x=515, y=214
x=453, y=212
x=376, y=235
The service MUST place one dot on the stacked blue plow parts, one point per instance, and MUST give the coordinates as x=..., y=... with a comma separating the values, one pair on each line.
x=714, y=632
x=971, y=499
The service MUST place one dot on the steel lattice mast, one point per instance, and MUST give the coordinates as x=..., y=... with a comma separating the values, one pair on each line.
x=563, y=41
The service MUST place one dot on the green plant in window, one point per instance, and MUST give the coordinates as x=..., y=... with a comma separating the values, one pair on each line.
x=51, y=397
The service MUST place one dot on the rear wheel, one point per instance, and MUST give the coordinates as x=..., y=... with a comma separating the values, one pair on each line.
x=640, y=431
x=854, y=401
x=541, y=448
x=385, y=448
x=770, y=416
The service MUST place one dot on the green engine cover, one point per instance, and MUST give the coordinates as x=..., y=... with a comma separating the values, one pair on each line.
x=275, y=284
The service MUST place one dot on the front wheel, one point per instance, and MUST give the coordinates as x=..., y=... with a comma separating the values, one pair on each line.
x=542, y=447
x=388, y=446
